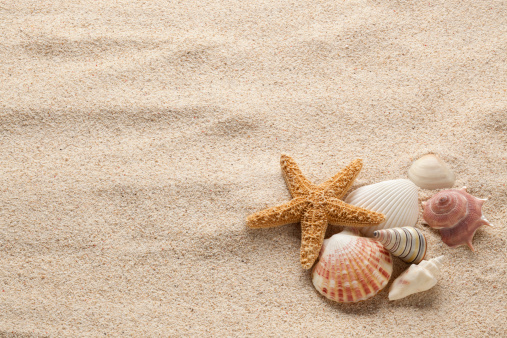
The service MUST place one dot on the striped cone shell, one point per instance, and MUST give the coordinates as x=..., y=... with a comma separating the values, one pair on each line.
x=351, y=268
x=407, y=243
x=397, y=199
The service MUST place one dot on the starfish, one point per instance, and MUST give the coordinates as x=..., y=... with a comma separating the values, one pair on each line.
x=315, y=206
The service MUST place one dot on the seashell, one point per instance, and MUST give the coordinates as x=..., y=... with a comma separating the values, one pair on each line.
x=351, y=268
x=396, y=199
x=416, y=278
x=457, y=214
x=407, y=243
x=430, y=172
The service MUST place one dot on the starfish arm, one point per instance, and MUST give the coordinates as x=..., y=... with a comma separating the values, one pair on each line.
x=286, y=213
x=338, y=185
x=298, y=185
x=313, y=230
x=341, y=213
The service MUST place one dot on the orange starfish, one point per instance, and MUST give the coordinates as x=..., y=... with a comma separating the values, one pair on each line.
x=315, y=206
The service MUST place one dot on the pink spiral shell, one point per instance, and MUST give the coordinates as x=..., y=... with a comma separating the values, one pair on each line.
x=457, y=214
x=446, y=209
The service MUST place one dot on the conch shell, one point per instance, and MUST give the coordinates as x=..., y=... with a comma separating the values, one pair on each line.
x=351, y=268
x=416, y=278
x=457, y=214
x=430, y=172
x=407, y=243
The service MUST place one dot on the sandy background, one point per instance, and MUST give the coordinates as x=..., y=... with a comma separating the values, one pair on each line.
x=135, y=138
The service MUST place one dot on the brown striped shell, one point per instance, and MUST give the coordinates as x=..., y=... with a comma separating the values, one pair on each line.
x=457, y=214
x=351, y=268
x=407, y=243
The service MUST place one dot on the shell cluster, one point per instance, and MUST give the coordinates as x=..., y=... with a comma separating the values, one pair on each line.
x=407, y=243
x=457, y=214
x=351, y=268
x=396, y=199
x=430, y=172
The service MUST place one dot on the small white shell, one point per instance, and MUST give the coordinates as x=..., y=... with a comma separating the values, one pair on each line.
x=416, y=278
x=407, y=243
x=351, y=268
x=396, y=199
x=430, y=172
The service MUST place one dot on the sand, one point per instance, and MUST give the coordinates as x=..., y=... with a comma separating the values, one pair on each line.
x=135, y=138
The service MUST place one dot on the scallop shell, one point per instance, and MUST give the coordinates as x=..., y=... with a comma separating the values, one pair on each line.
x=396, y=199
x=407, y=243
x=430, y=172
x=351, y=268
x=457, y=214
x=416, y=278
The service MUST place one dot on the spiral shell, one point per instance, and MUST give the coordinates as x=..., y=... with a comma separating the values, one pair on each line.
x=457, y=214
x=396, y=199
x=430, y=172
x=416, y=278
x=407, y=243
x=351, y=268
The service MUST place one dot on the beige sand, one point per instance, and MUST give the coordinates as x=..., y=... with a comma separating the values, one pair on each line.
x=136, y=136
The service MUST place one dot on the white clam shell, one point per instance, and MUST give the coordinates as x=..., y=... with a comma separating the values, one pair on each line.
x=430, y=172
x=396, y=199
x=416, y=278
x=351, y=268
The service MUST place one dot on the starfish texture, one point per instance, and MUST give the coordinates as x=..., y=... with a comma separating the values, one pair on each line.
x=315, y=206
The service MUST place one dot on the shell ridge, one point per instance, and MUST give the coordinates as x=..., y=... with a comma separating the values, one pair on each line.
x=415, y=246
x=372, y=194
x=356, y=286
x=403, y=216
x=359, y=267
x=362, y=194
x=361, y=198
x=347, y=285
x=392, y=203
x=422, y=248
x=408, y=248
x=386, y=240
x=397, y=242
x=366, y=274
x=388, y=208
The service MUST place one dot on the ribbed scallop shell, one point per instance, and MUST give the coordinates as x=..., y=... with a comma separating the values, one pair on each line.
x=396, y=199
x=430, y=172
x=351, y=268
x=407, y=243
